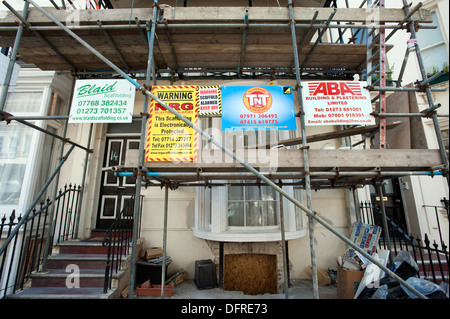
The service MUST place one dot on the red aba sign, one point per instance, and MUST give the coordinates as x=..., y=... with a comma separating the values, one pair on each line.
x=337, y=103
x=334, y=88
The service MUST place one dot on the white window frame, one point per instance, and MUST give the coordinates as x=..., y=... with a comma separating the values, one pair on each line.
x=435, y=9
x=211, y=220
x=40, y=83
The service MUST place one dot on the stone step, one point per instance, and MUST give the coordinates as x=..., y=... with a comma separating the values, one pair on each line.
x=89, y=278
x=63, y=293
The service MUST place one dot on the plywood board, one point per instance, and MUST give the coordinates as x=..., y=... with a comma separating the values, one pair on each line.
x=252, y=274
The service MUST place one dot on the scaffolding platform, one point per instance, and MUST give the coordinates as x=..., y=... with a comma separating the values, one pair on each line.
x=208, y=38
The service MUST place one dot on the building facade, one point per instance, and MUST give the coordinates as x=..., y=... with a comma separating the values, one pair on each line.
x=244, y=217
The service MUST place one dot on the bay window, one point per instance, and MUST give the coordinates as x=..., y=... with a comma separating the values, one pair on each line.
x=244, y=210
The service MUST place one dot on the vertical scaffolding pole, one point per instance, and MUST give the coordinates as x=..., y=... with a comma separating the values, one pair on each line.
x=12, y=59
x=163, y=271
x=382, y=77
x=305, y=154
x=283, y=247
x=432, y=107
x=387, y=238
x=151, y=41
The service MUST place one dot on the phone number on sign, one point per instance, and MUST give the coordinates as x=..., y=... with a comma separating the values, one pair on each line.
x=258, y=122
x=260, y=116
x=102, y=110
x=102, y=103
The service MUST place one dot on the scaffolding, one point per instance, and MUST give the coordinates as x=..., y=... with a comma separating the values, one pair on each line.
x=155, y=55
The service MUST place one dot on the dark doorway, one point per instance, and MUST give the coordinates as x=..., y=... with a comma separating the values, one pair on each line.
x=116, y=192
x=393, y=204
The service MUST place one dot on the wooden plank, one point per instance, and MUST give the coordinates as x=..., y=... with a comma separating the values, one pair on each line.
x=282, y=14
x=215, y=14
x=292, y=160
x=327, y=135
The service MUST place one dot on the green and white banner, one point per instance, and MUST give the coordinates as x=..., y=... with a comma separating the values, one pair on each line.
x=102, y=101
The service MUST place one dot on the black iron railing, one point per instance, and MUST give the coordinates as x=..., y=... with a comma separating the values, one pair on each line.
x=25, y=252
x=432, y=258
x=118, y=239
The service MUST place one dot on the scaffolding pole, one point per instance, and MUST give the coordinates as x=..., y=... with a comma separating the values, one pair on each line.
x=151, y=41
x=164, y=248
x=12, y=58
x=309, y=212
x=305, y=151
x=428, y=90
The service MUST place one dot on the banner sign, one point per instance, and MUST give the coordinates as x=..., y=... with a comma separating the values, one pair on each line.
x=258, y=108
x=169, y=138
x=102, y=101
x=209, y=100
x=337, y=103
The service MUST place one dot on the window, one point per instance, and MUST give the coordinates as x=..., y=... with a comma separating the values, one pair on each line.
x=433, y=47
x=445, y=137
x=241, y=210
x=26, y=102
x=14, y=148
x=252, y=206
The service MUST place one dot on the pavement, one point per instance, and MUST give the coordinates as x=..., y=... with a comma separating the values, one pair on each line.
x=300, y=289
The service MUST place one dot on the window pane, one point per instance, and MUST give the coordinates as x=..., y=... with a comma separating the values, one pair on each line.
x=271, y=215
x=433, y=50
x=434, y=59
x=236, y=214
x=45, y=164
x=236, y=193
x=252, y=193
x=427, y=37
x=254, y=215
x=23, y=102
x=14, y=147
x=268, y=193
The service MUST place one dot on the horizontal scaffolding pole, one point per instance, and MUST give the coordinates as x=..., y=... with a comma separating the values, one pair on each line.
x=293, y=175
x=403, y=89
x=6, y=116
x=310, y=213
x=376, y=114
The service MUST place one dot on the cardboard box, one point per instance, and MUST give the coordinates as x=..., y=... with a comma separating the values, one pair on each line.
x=348, y=282
x=153, y=253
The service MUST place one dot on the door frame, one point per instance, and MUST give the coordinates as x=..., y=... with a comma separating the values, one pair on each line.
x=122, y=188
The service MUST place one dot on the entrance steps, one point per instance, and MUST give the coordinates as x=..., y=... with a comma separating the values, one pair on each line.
x=75, y=270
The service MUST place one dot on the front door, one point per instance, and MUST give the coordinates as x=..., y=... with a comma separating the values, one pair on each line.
x=116, y=192
x=393, y=205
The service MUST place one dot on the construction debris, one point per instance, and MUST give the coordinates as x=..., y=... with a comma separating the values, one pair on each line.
x=388, y=288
